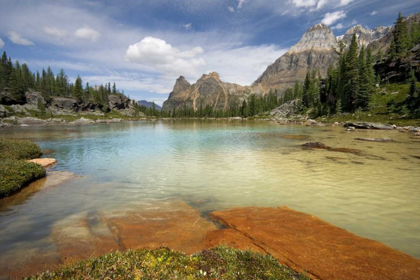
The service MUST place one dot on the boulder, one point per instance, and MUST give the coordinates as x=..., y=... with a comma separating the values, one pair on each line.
x=63, y=106
x=19, y=109
x=82, y=121
x=368, y=125
x=7, y=98
x=3, y=112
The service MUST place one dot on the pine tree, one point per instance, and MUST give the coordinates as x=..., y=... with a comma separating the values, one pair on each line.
x=78, y=90
x=306, y=88
x=114, y=89
x=392, y=52
x=351, y=78
x=364, y=82
x=401, y=37
x=411, y=99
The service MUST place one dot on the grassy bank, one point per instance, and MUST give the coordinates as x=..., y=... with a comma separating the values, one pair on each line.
x=15, y=172
x=162, y=263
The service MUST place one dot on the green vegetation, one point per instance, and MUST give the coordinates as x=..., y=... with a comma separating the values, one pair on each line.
x=217, y=263
x=15, y=172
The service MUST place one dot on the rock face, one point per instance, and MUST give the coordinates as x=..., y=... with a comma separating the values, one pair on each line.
x=365, y=36
x=305, y=243
x=209, y=90
x=315, y=50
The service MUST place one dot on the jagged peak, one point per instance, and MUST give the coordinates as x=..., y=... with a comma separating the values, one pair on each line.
x=213, y=75
x=318, y=26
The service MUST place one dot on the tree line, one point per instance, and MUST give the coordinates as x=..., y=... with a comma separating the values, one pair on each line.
x=18, y=79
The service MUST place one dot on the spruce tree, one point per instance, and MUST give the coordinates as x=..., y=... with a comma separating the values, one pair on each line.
x=411, y=98
x=306, y=88
x=352, y=76
x=114, y=89
x=78, y=90
x=401, y=37
x=364, y=82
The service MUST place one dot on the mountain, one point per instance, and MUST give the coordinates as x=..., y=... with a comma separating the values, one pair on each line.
x=209, y=90
x=365, y=36
x=315, y=50
x=148, y=104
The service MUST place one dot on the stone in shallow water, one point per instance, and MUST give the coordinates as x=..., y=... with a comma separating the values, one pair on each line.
x=375, y=139
x=304, y=242
x=44, y=162
x=295, y=136
x=315, y=145
x=175, y=225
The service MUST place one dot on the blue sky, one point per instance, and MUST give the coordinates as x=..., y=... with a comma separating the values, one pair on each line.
x=144, y=46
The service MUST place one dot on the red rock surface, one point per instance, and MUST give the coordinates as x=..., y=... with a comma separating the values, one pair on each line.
x=306, y=243
x=176, y=225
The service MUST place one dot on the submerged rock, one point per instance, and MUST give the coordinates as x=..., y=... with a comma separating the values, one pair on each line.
x=315, y=145
x=295, y=136
x=306, y=243
x=375, y=139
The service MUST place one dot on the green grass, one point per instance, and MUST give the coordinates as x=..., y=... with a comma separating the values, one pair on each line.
x=218, y=263
x=15, y=172
x=19, y=149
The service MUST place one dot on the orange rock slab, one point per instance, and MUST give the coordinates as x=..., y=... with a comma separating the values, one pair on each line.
x=175, y=225
x=307, y=243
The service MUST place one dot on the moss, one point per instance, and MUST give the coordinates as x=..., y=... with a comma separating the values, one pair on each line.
x=15, y=172
x=162, y=263
x=19, y=149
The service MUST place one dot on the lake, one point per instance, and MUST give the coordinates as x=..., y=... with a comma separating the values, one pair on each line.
x=213, y=165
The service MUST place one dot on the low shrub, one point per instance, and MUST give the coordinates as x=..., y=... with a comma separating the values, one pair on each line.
x=217, y=263
x=19, y=149
x=14, y=174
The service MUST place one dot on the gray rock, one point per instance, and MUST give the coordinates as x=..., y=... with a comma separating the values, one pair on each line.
x=375, y=139
x=63, y=106
x=82, y=121
x=3, y=112
x=19, y=109
x=30, y=121
x=286, y=110
x=368, y=125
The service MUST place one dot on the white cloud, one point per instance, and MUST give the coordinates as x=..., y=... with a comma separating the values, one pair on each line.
x=345, y=2
x=304, y=3
x=373, y=13
x=57, y=32
x=188, y=26
x=338, y=26
x=330, y=18
x=231, y=9
x=87, y=33
x=17, y=39
x=240, y=3
x=163, y=57
x=1, y=43
x=321, y=3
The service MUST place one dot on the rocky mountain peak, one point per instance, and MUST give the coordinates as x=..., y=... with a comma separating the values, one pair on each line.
x=365, y=36
x=318, y=26
x=318, y=37
x=213, y=75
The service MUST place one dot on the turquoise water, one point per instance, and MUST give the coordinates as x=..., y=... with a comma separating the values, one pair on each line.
x=215, y=165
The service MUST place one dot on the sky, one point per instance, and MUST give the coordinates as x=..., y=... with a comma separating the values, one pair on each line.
x=145, y=45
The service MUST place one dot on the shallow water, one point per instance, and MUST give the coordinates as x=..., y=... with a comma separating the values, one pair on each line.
x=220, y=164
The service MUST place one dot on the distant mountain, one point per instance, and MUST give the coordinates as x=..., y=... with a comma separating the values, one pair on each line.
x=148, y=104
x=316, y=50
